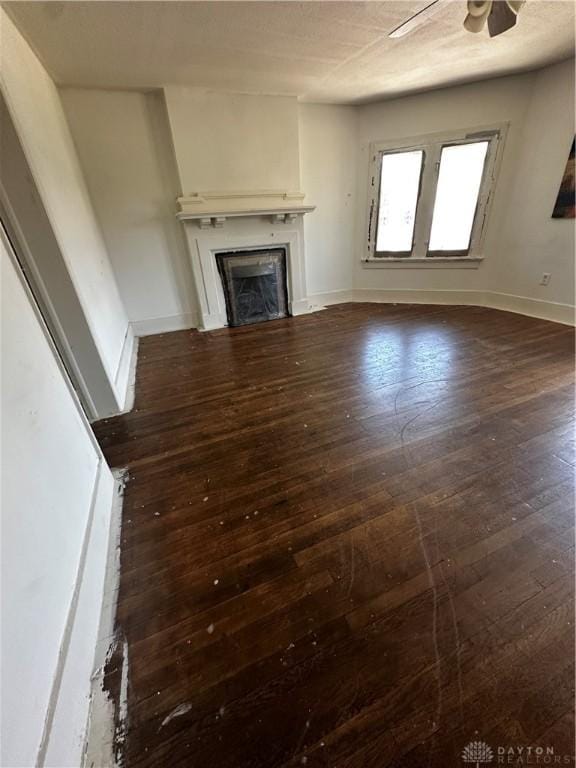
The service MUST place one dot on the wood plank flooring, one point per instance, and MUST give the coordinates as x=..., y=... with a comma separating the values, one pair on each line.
x=347, y=541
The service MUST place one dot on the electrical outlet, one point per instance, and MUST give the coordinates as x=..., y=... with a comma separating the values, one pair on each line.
x=545, y=279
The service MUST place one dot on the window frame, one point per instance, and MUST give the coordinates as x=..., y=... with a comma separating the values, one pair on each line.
x=431, y=146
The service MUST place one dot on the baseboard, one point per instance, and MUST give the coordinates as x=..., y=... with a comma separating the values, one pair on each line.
x=126, y=373
x=522, y=305
x=544, y=310
x=320, y=300
x=470, y=298
x=153, y=325
x=67, y=717
x=102, y=720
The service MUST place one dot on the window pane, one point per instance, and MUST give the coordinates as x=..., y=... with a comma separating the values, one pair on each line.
x=461, y=169
x=399, y=184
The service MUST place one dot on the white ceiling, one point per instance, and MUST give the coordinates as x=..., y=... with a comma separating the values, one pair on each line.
x=320, y=51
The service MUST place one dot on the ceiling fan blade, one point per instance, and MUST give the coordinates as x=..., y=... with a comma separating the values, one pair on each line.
x=416, y=20
x=501, y=18
x=500, y=14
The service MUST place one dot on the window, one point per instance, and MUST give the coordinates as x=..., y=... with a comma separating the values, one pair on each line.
x=459, y=178
x=429, y=199
x=399, y=187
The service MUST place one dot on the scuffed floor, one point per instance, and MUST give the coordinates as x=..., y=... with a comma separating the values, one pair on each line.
x=347, y=541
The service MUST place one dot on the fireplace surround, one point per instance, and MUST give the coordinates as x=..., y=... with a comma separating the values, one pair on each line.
x=246, y=233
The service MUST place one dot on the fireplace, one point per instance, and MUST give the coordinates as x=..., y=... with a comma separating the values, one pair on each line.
x=240, y=236
x=254, y=285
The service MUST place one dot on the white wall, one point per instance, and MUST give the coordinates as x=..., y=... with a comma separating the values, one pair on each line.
x=30, y=228
x=125, y=149
x=466, y=107
x=234, y=142
x=40, y=122
x=530, y=242
x=328, y=137
x=522, y=241
x=56, y=492
x=135, y=149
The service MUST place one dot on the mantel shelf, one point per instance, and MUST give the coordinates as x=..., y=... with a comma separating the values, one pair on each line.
x=283, y=214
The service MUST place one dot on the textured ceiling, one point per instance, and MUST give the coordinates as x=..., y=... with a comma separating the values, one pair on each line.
x=321, y=51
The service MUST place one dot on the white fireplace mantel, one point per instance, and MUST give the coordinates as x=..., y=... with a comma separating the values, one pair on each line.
x=211, y=209
x=259, y=220
x=256, y=235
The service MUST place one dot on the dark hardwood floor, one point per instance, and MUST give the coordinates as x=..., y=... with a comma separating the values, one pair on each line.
x=347, y=541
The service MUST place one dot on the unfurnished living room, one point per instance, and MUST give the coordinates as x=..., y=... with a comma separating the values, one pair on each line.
x=287, y=388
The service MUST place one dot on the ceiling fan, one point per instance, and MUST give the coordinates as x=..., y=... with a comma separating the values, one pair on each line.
x=500, y=15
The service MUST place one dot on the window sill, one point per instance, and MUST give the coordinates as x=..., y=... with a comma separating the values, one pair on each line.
x=436, y=262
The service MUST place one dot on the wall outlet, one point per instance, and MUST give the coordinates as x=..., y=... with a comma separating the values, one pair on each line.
x=545, y=279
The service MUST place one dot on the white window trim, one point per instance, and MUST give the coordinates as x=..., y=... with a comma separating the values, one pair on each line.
x=432, y=145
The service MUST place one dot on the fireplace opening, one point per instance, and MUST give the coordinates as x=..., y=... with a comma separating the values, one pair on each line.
x=254, y=285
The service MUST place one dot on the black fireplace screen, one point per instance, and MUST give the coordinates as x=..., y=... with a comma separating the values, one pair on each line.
x=254, y=285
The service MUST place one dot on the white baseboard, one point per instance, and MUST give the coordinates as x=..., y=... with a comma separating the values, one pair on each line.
x=469, y=298
x=102, y=721
x=544, y=310
x=153, y=325
x=126, y=373
x=320, y=300
x=67, y=717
